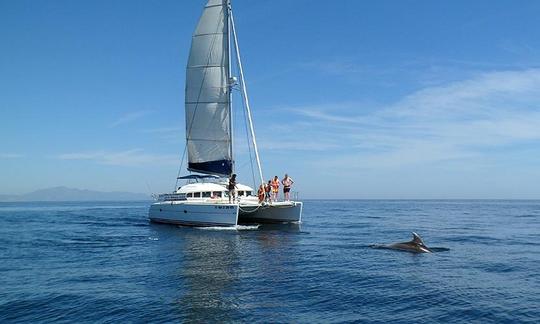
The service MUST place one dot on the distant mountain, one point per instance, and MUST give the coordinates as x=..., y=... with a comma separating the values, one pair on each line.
x=72, y=194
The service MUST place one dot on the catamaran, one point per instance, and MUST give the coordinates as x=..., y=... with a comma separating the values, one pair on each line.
x=204, y=200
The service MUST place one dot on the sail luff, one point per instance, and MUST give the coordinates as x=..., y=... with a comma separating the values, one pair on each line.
x=207, y=98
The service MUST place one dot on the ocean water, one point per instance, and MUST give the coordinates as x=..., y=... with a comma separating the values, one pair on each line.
x=104, y=262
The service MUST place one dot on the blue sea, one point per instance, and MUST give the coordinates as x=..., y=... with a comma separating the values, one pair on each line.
x=105, y=262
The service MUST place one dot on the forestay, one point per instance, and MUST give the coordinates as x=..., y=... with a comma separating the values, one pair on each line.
x=208, y=129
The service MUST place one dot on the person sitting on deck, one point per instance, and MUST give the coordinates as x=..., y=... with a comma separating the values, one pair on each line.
x=260, y=193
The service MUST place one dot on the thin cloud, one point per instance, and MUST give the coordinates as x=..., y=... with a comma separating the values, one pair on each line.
x=162, y=130
x=134, y=157
x=411, y=70
x=456, y=121
x=170, y=135
x=130, y=117
x=295, y=145
x=10, y=155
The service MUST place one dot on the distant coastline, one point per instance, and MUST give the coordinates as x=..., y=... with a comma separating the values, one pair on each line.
x=73, y=194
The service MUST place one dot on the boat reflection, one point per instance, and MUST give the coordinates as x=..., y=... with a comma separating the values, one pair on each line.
x=207, y=271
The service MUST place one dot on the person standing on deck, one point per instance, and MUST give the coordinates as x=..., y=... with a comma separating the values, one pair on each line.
x=267, y=190
x=287, y=183
x=275, y=188
x=232, y=188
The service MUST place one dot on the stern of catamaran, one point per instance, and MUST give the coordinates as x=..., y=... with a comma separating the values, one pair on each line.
x=275, y=212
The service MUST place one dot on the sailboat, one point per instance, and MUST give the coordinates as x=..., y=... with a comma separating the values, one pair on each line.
x=204, y=200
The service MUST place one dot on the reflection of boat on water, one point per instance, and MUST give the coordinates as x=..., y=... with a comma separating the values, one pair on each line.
x=195, y=269
x=204, y=200
x=209, y=272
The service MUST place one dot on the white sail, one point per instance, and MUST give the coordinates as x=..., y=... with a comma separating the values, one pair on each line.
x=208, y=132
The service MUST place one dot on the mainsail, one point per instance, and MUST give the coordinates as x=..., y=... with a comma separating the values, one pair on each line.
x=208, y=125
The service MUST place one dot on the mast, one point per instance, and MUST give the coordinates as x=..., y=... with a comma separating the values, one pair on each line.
x=246, y=99
x=230, y=81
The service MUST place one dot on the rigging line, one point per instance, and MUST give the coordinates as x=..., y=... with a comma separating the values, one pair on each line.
x=244, y=90
x=248, y=142
x=244, y=110
x=198, y=96
x=180, y=168
x=246, y=123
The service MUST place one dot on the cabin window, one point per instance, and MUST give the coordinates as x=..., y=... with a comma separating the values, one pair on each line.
x=240, y=193
x=248, y=193
x=189, y=195
x=216, y=194
x=197, y=194
x=206, y=194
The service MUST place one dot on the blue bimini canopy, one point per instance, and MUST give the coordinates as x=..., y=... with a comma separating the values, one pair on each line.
x=198, y=176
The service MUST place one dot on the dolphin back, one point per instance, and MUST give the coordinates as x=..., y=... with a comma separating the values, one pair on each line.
x=416, y=245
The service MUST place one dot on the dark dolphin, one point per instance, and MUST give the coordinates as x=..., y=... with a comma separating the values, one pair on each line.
x=416, y=246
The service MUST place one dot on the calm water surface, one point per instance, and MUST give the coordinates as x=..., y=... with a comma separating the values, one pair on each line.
x=88, y=262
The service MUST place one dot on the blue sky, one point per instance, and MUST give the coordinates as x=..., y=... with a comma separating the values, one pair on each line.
x=354, y=99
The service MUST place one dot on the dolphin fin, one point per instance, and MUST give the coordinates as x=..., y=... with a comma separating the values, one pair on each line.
x=417, y=239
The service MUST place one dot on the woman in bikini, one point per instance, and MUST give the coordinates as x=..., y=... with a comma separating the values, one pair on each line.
x=275, y=188
x=260, y=193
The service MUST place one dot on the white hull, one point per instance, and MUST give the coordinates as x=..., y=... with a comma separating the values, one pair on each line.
x=224, y=214
x=194, y=214
x=277, y=212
